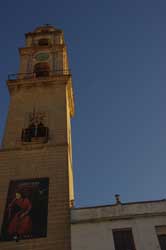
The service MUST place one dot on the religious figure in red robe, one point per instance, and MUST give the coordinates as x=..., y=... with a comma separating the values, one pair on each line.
x=20, y=222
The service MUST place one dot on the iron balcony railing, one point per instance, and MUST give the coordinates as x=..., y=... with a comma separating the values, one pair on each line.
x=42, y=74
x=33, y=132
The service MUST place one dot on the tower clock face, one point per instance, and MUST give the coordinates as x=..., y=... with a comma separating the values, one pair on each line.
x=42, y=56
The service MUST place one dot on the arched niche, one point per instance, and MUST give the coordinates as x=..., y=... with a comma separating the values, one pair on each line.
x=42, y=69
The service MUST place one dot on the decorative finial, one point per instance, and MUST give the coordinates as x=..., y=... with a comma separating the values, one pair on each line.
x=47, y=24
x=117, y=198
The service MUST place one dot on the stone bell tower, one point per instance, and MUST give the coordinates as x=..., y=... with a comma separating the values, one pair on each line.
x=36, y=178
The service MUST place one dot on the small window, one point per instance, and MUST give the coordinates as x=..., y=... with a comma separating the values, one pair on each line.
x=44, y=42
x=161, y=234
x=42, y=69
x=123, y=239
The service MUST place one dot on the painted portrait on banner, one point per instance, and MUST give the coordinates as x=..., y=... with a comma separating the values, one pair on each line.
x=26, y=210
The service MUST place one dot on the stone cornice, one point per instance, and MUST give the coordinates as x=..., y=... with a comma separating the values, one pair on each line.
x=36, y=48
x=57, y=31
x=26, y=147
x=118, y=212
x=113, y=218
x=17, y=84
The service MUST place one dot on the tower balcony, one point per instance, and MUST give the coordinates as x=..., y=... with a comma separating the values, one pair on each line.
x=38, y=75
x=36, y=134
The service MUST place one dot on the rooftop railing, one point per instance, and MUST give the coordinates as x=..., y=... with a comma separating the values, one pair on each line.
x=38, y=75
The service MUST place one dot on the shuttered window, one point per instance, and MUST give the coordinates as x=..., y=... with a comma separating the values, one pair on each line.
x=123, y=239
x=162, y=241
x=161, y=233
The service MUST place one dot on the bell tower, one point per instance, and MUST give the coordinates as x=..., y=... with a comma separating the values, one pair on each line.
x=36, y=177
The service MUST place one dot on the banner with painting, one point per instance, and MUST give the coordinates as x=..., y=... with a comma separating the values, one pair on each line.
x=26, y=210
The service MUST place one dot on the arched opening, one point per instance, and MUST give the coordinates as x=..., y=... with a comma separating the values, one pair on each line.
x=42, y=69
x=44, y=42
x=35, y=132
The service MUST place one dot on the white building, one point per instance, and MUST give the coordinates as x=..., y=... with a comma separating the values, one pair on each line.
x=127, y=226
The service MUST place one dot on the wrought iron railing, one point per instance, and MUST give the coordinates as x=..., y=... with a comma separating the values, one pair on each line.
x=33, y=133
x=38, y=75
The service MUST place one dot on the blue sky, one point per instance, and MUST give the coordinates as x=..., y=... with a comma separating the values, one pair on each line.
x=117, y=54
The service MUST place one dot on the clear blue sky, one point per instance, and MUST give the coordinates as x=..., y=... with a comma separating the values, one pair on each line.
x=117, y=54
